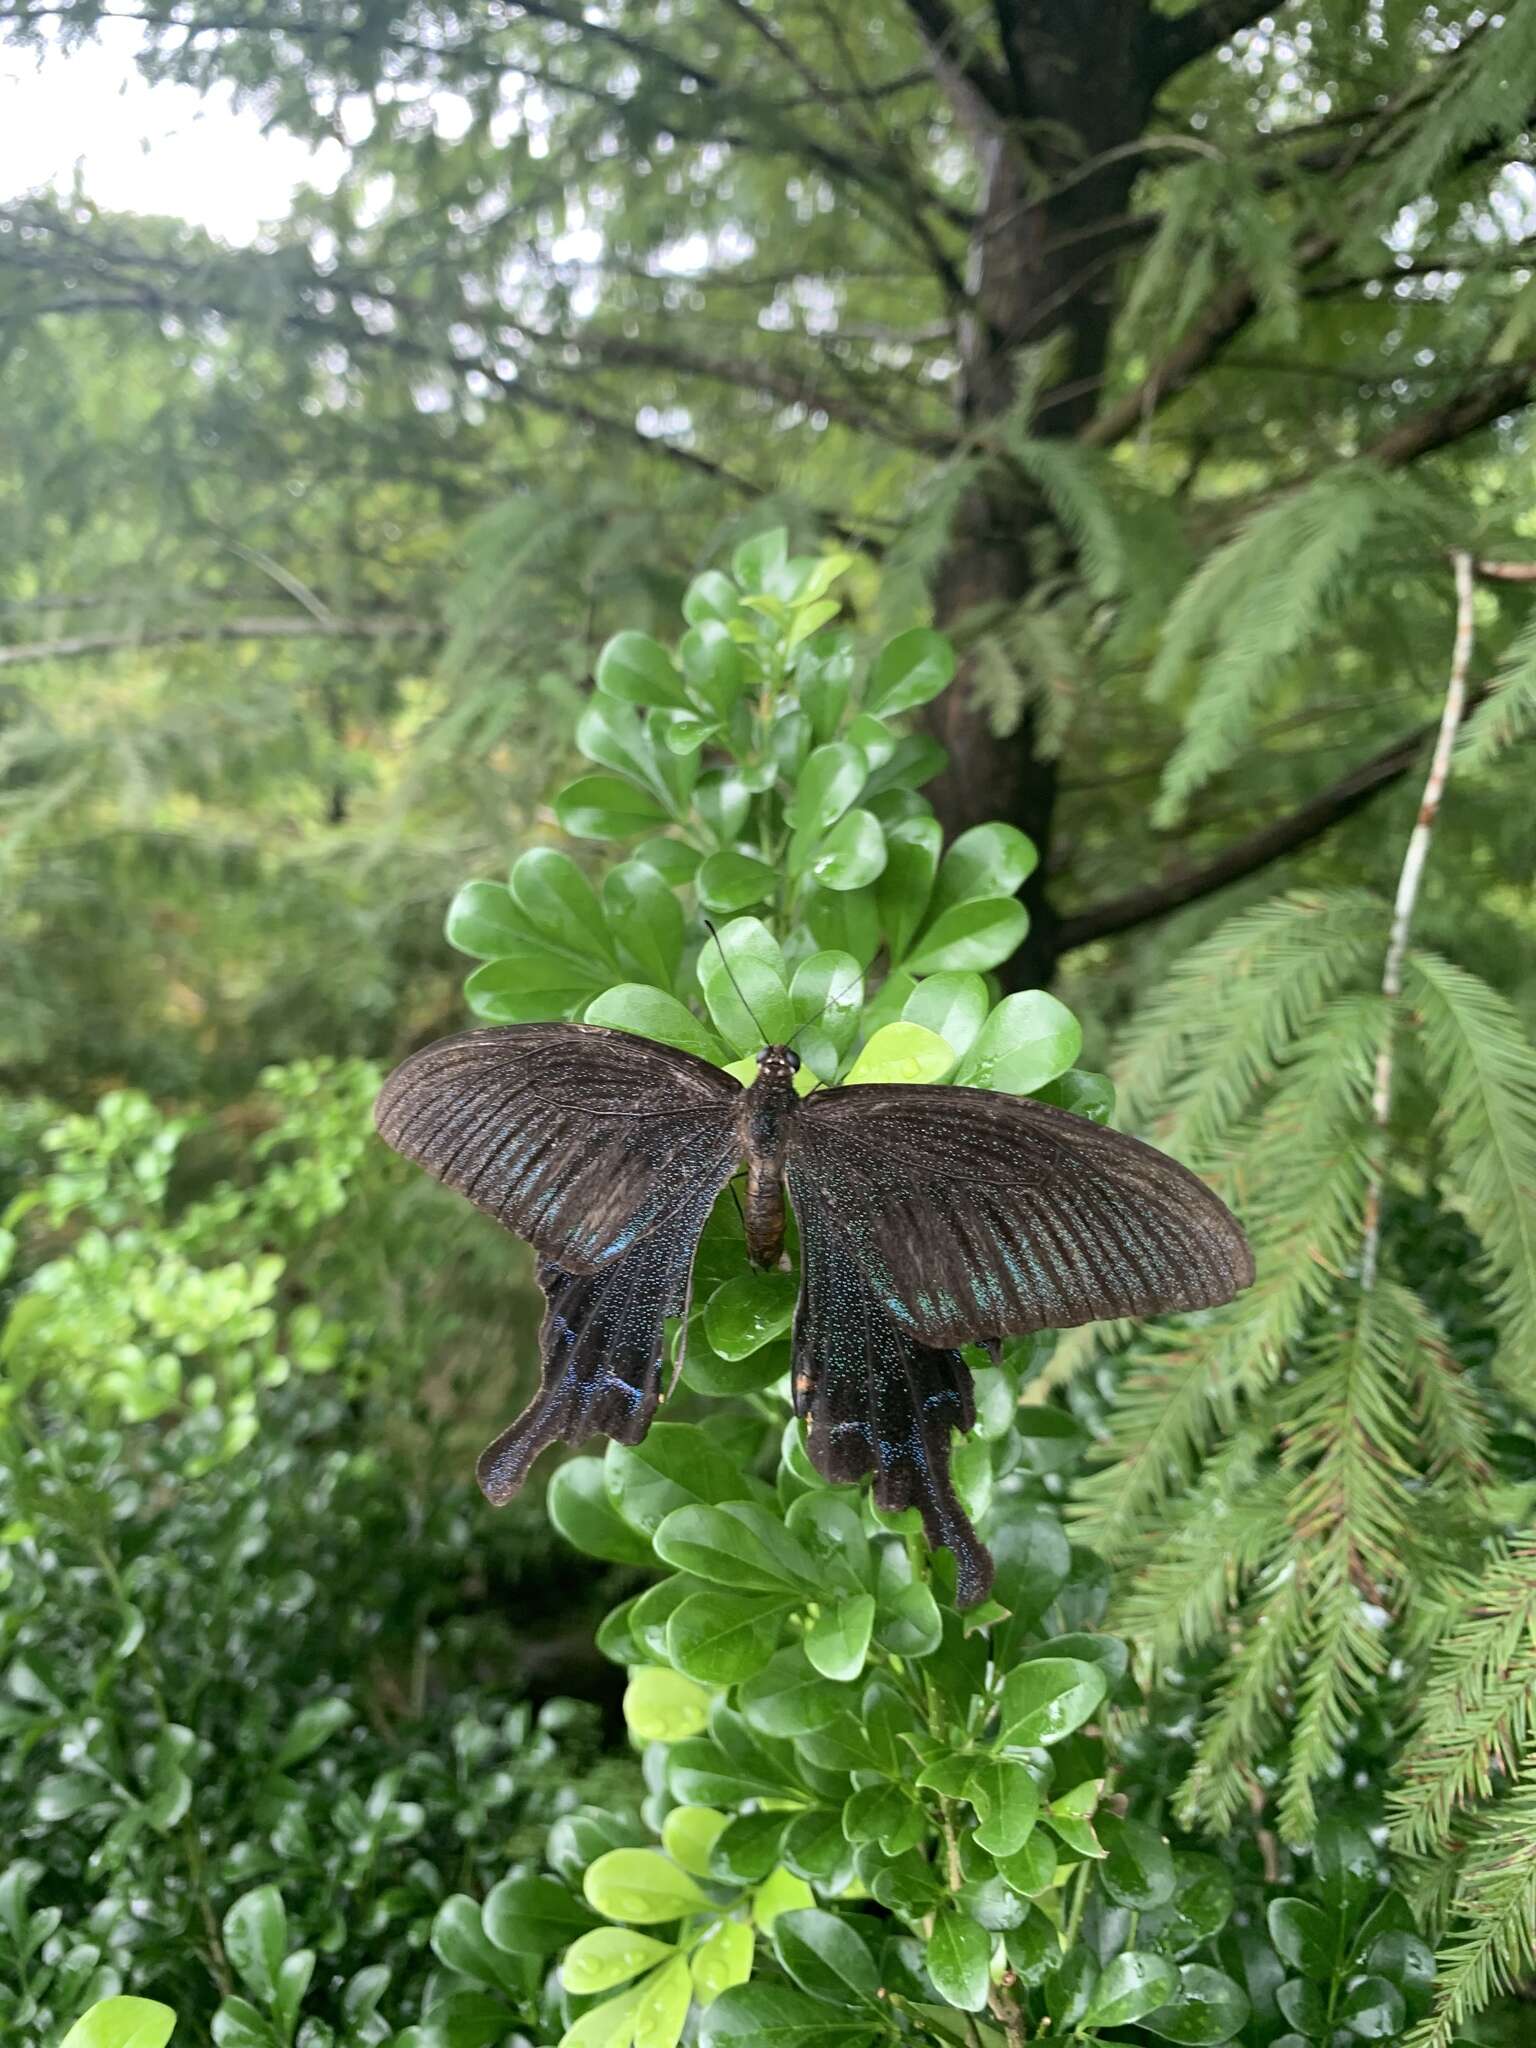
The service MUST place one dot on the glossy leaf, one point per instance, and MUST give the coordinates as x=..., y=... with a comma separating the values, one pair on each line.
x=603, y=807
x=970, y=937
x=749, y=1312
x=640, y=1886
x=910, y=670
x=1027, y=1041
x=825, y=1956
x=837, y=1641
x=959, y=1958
x=578, y=1505
x=721, y=1959
x=122, y=2023
x=607, y=1956
x=729, y=881
x=1137, y=1870
x=1207, y=2008
x=904, y=1053
x=746, y=991
x=634, y=667
x=533, y=1916
x=649, y=1013
x=852, y=854
x=1044, y=1700
x=735, y=1545
x=664, y=1706
x=723, y=1637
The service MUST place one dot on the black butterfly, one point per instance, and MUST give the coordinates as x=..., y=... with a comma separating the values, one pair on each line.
x=929, y=1218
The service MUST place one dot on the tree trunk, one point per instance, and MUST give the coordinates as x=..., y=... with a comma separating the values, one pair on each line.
x=1079, y=84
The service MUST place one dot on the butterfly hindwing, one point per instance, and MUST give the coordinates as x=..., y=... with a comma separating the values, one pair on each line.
x=978, y=1215
x=604, y=1150
x=874, y=1398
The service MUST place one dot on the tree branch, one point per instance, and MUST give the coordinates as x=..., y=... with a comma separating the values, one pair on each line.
x=1185, y=38
x=958, y=65
x=1504, y=390
x=1256, y=849
x=386, y=626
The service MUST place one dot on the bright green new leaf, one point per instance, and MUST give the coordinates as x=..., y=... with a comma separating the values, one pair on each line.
x=122, y=2023
x=780, y=1892
x=608, y=1956
x=663, y=2009
x=640, y=1886
x=953, y=1005
x=664, y=1706
x=901, y=1052
x=722, y=1958
x=754, y=560
x=689, y=1834
x=711, y=596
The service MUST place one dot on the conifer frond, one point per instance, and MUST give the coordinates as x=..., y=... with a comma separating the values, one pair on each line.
x=1347, y=1653
x=1222, y=1536
x=1477, y=1712
x=1493, y=1946
x=1246, y=1717
x=1077, y=485
x=1483, y=95
x=1509, y=714
x=1483, y=1070
x=1254, y=604
x=1233, y=1007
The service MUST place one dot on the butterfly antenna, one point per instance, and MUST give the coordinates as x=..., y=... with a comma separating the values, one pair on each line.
x=735, y=984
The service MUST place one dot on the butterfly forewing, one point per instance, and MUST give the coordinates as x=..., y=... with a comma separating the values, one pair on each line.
x=579, y=1139
x=606, y=1152
x=977, y=1215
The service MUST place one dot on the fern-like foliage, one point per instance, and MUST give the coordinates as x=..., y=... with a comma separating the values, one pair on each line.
x=1297, y=1484
x=1258, y=602
x=1509, y=713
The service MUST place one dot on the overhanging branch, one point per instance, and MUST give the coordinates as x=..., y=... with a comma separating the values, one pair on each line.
x=385, y=626
x=1256, y=849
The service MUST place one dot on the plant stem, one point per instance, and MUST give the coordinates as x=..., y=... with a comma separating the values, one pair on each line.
x=1407, y=894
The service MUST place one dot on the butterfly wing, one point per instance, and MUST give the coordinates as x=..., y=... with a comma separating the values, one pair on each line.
x=606, y=1152
x=978, y=1215
x=873, y=1397
x=935, y=1217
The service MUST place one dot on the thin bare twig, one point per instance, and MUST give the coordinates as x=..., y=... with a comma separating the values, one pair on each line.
x=1407, y=895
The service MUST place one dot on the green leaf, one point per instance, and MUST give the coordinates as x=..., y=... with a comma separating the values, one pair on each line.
x=578, y=1505
x=748, y=1848
x=722, y=1958
x=689, y=1834
x=908, y=1622
x=638, y=669
x=754, y=560
x=901, y=1052
x=484, y=922
x=713, y=664
x=1373, y=2009
x=735, y=1545
x=825, y=1956
x=789, y=1697
x=603, y=807
x=1137, y=1870
x=959, y=1959
x=122, y=2023
x=749, y=1312
x=645, y=922
x=775, y=2016
x=908, y=671
x=641, y=1886
x=970, y=937
x=711, y=595
x=1208, y=2008
x=816, y=1849
x=664, y=1706
x=832, y=1532
x=780, y=1892
x=1027, y=1041
x=827, y=992
x=675, y=1465
x=523, y=987
x=648, y=1013
x=989, y=860
x=676, y=863
x=722, y=1638
x=730, y=881
x=1045, y=1700
x=953, y=1005
x=560, y=904
x=1304, y=1936
x=902, y=892
x=256, y=1939
x=887, y=1814
x=837, y=1641
x=609, y=1956
x=1050, y=1440
x=1089, y=1095
x=1033, y=1948
x=237, y=2024
x=1346, y=1863
x=742, y=974
x=1135, y=1983
x=852, y=854
x=532, y=1916
x=311, y=1728
x=1070, y=1987
x=460, y=1943
x=663, y=2008
x=1007, y=1803
x=609, y=2025
x=827, y=785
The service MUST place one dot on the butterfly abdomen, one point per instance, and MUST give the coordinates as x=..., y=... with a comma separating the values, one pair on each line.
x=770, y=1103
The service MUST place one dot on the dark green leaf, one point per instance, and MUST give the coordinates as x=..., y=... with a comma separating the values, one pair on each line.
x=908, y=671
x=959, y=1957
x=825, y=1956
x=580, y=1509
x=1208, y=2009
x=1137, y=1870
x=603, y=807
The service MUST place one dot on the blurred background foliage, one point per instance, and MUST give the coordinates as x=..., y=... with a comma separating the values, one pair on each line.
x=1159, y=354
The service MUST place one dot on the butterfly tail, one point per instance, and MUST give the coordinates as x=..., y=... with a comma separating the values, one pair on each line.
x=601, y=1348
x=875, y=1400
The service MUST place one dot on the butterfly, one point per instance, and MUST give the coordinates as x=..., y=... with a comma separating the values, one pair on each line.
x=929, y=1218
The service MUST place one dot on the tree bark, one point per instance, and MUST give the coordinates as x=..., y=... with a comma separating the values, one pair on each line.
x=1078, y=87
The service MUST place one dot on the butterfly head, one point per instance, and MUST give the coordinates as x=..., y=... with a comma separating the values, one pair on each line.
x=778, y=1064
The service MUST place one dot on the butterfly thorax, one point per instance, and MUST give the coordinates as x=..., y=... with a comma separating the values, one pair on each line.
x=766, y=1110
